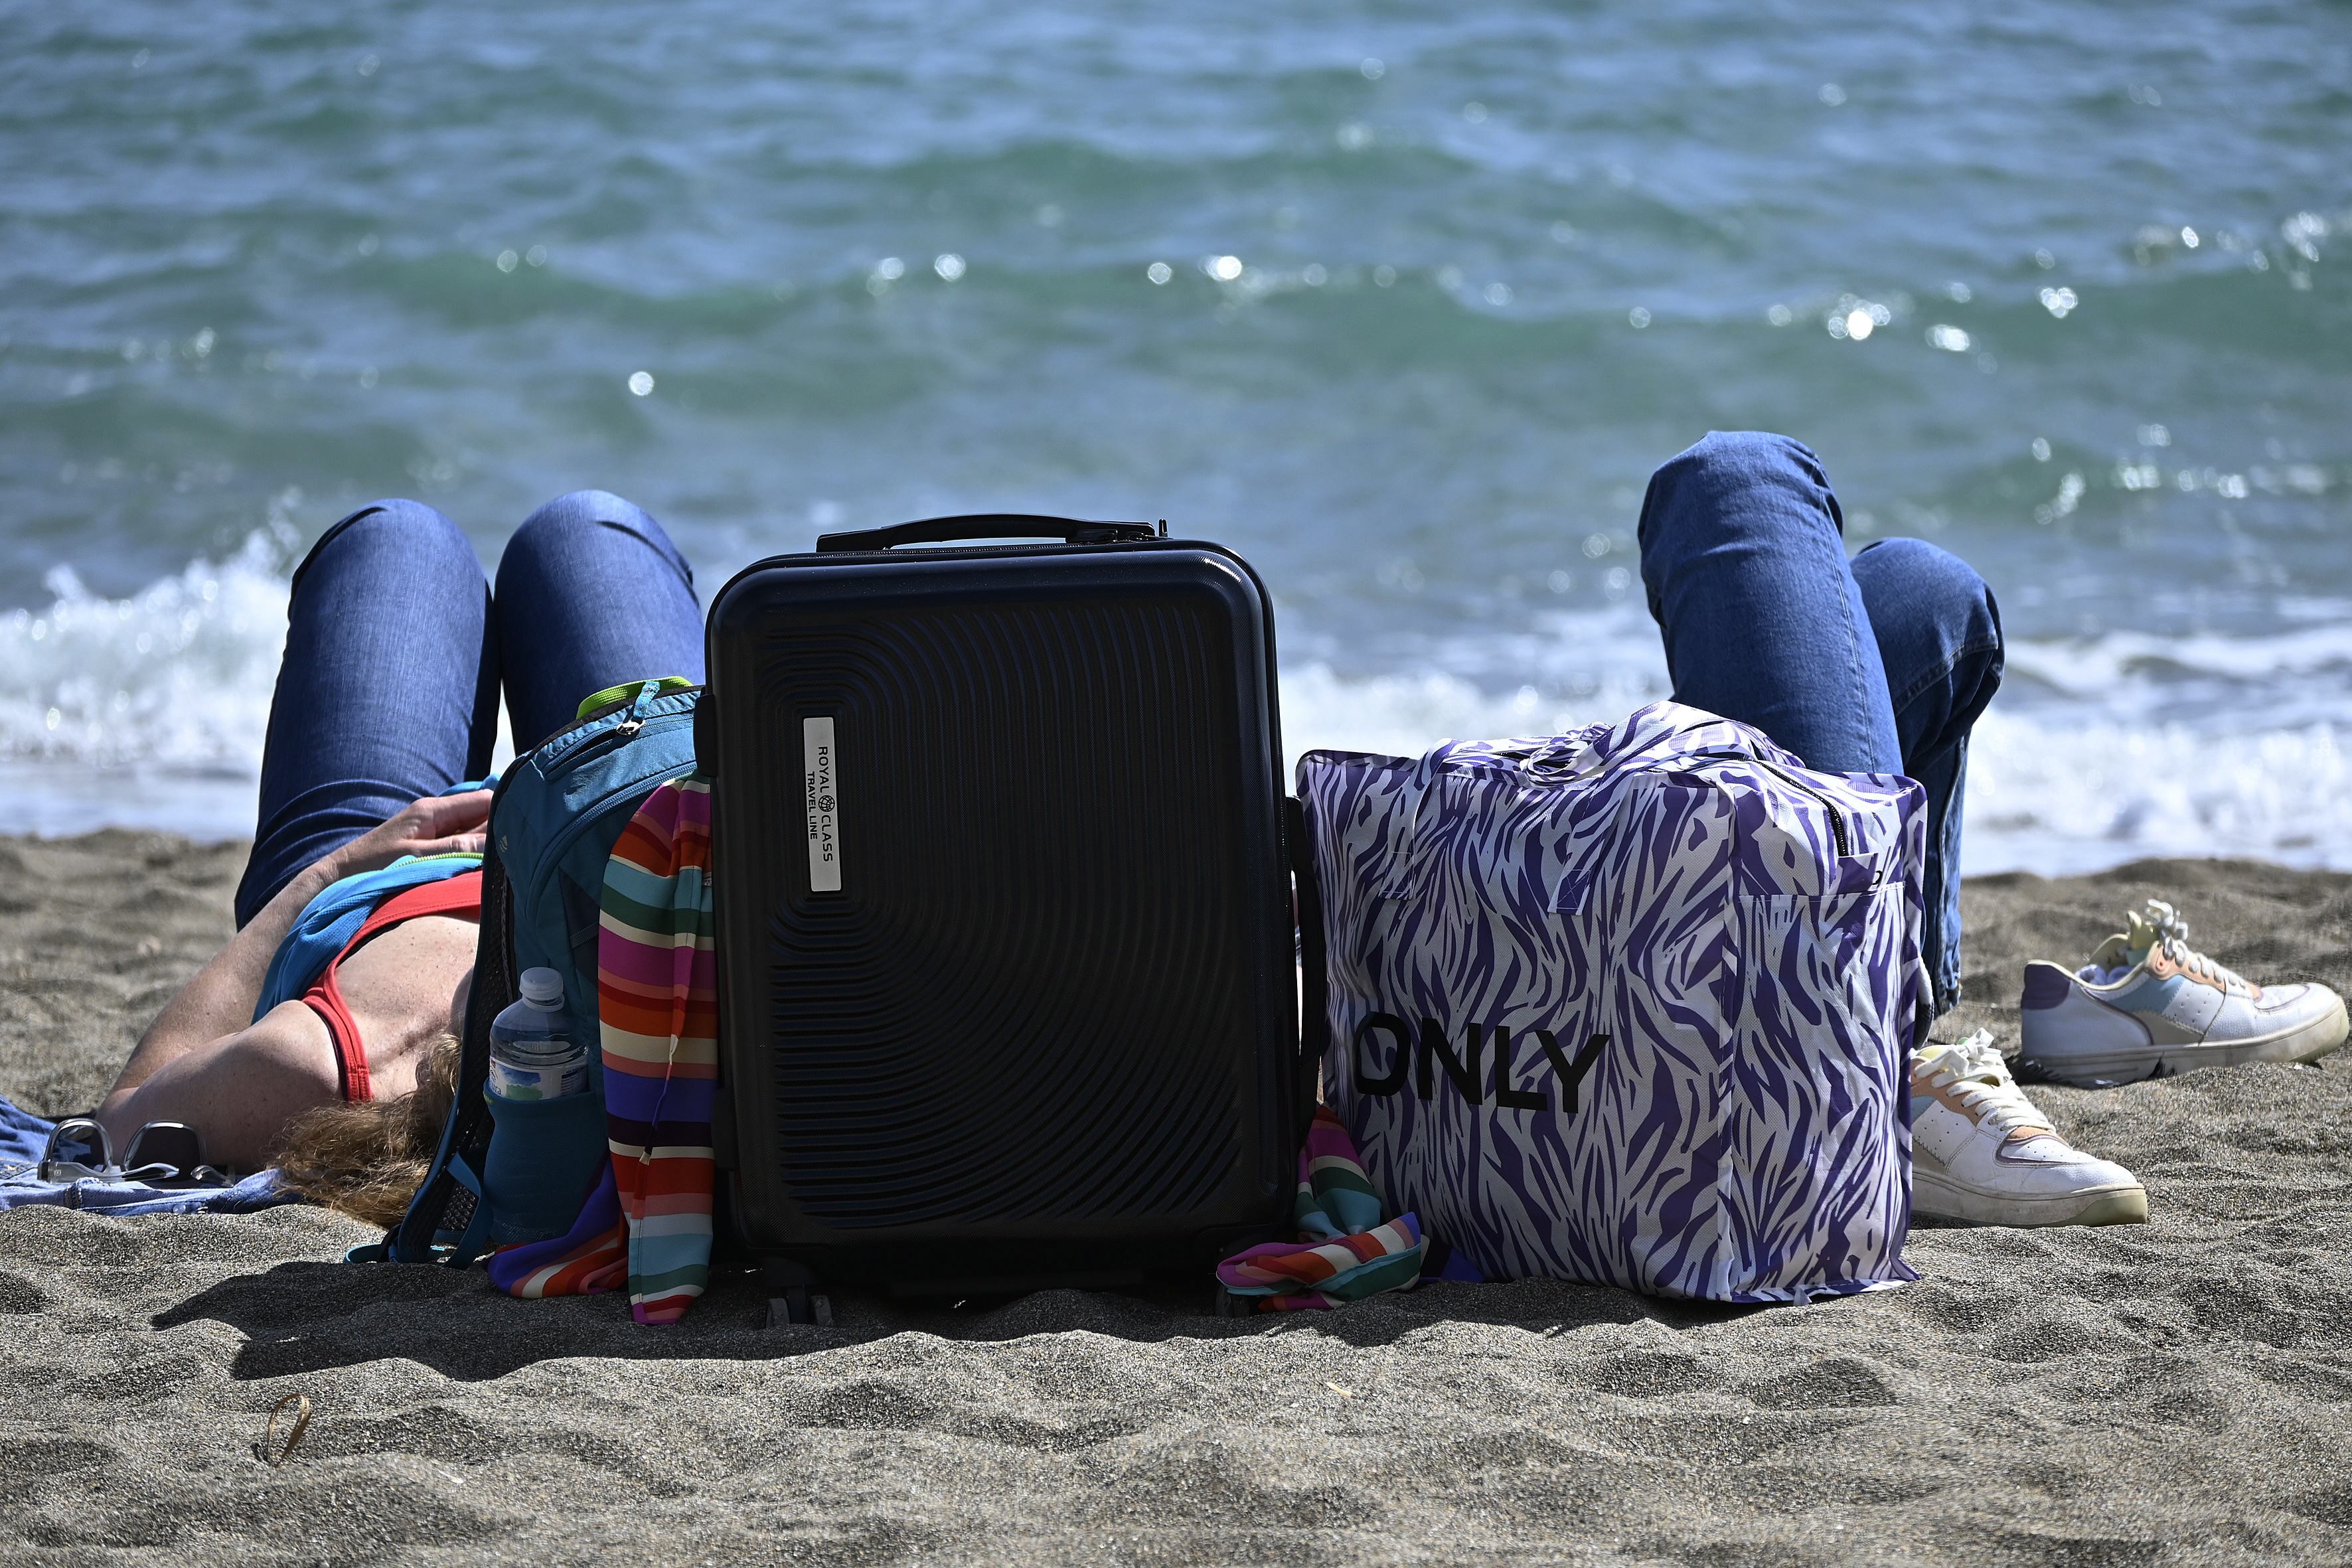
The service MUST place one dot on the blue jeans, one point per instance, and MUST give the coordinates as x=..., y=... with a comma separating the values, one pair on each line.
x=1880, y=663
x=396, y=652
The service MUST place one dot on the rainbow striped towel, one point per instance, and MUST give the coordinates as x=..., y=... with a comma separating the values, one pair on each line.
x=657, y=1009
x=648, y=1221
x=1345, y=1251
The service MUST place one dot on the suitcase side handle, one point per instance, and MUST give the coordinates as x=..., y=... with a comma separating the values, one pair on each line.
x=988, y=525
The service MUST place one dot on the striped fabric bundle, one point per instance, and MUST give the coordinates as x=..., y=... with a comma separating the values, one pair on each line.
x=1345, y=1251
x=657, y=1010
x=590, y=1258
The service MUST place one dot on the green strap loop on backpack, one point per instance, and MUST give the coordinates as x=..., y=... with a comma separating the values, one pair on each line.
x=628, y=690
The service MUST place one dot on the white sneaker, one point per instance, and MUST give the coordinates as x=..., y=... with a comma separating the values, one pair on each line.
x=2149, y=1005
x=1982, y=1154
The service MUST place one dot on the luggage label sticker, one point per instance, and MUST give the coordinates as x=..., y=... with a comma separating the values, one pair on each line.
x=820, y=792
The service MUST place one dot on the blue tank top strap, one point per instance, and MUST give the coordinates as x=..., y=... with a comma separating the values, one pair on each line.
x=329, y=921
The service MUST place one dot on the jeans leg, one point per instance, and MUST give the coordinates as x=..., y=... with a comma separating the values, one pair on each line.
x=388, y=690
x=1744, y=558
x=591, y=593
x=1939, y=633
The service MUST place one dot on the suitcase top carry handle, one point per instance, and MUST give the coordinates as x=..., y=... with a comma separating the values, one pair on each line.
x=988, y=525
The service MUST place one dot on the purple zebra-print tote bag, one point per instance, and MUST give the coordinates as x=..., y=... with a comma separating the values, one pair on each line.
x=1632, y=1005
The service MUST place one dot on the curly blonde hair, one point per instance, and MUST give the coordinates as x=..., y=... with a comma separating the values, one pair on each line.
x=367, y=1159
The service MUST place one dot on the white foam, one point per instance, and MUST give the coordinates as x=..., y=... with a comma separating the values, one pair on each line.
x=2300, y=671
x=2054, y=787
x=2099, y=750
x=149, y=711
x=144, y=711
x=2056, y=793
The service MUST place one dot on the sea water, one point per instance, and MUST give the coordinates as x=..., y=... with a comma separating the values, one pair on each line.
x=1402, y=305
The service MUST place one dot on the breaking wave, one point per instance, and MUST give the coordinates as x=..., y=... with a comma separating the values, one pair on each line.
x=149, y=712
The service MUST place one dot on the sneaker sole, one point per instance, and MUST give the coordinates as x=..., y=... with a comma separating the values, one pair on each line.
x=2105, y=1070
x=1938, y=1197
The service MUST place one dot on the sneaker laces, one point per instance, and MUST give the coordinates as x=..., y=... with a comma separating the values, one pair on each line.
x=2160, y=929
x=1974, y=1073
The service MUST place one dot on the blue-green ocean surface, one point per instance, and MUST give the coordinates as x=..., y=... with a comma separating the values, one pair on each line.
x=1401, y=302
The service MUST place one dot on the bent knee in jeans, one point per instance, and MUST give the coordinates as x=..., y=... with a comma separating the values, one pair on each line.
x=1936, y=620
x=395, y=534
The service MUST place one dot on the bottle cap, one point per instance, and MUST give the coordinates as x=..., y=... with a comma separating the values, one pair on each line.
x=542, y=987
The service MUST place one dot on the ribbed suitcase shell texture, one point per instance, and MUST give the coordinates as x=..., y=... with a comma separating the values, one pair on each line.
x=1046, y=1028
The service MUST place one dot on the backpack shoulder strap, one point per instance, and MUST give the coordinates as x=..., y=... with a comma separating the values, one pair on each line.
x=447, y=1222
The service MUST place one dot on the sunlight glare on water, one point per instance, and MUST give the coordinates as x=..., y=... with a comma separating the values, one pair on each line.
x=1405, y=306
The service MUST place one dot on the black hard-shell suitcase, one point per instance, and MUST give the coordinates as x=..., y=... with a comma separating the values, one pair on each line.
x=1004, y=909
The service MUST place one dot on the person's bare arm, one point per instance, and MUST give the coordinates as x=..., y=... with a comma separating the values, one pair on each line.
x=239, y=1091
x=404, y=989
x=218, y=1003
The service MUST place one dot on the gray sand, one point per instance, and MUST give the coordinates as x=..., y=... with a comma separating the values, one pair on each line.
x=2182, y=1390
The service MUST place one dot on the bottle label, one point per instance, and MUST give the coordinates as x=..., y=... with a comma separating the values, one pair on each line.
x=551, y=1079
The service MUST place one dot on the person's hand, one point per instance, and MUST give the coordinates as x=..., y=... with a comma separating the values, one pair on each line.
x=437, y=825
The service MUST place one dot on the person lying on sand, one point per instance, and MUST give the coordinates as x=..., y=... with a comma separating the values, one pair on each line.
x=397, y=652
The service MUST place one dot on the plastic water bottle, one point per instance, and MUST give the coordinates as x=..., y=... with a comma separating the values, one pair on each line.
x=532, y=1053
x=547, y=1144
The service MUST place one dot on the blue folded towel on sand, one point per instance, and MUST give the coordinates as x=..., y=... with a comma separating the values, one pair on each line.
x=25, y=1138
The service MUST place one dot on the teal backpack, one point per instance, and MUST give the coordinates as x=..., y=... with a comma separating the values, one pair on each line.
x=554, y=822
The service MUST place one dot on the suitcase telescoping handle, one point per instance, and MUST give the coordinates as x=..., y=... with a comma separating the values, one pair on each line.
x=988, y=525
